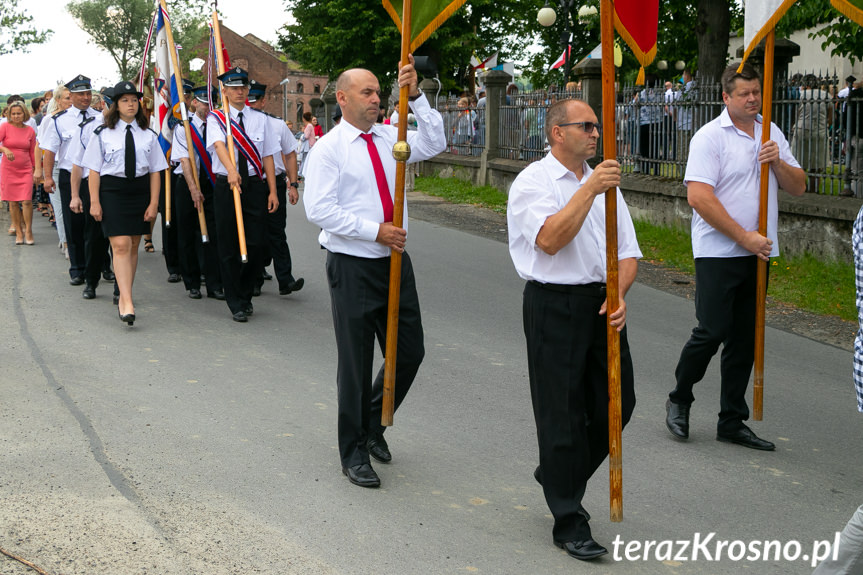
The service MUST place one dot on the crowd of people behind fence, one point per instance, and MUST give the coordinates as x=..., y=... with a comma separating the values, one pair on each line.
x=655, y=122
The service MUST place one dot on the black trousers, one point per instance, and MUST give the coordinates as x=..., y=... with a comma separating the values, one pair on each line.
x=568, y=369
x=188, y=235
x=169, y=234
x=359, y=290
x=73, y=224
x=238, y=278
x=725, y=302
x=93, y=247
x=276, y=249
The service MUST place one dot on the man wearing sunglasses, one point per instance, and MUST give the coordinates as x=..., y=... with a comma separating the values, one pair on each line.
x=556, y=218
x=723, y=177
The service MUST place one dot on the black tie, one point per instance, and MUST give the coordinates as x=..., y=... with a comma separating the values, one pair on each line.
x=130, y=153
x=244, y=163
x=84, y=114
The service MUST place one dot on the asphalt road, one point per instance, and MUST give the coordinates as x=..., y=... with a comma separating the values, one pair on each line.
x=190, y=444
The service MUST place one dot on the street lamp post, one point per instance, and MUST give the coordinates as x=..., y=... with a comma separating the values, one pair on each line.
x=547, y=16
x=284, y=85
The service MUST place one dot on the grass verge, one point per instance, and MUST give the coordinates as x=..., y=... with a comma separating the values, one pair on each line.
x=825, y=288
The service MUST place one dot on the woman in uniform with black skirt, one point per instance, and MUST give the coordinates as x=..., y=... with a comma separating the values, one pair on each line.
x=125, y=161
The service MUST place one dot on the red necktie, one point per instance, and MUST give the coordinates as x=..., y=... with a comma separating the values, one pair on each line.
x=381, y=177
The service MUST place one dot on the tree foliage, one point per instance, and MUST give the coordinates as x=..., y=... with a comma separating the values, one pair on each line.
x=840, y=34
x=120, y=27
x=16, y=30
x=333, y=36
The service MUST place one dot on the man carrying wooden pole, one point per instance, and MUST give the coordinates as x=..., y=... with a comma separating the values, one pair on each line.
x=349, y=193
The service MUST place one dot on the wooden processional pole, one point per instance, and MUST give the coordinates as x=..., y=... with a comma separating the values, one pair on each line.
x=174, y=62
x=401, y=152
x=609, y=152
x=761, y=276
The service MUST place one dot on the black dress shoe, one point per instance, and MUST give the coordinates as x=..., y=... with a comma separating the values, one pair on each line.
x=378, y=448
x=747, y=438
x=677, y=419
x=267, y=275
x=128, y=318
x=249, y=309
x=240, y=317
x=585, y=550
x=295, y=285
x=108, y=276
x=362, y=475
x=173, y=278
x=256, y=291
x=216, y=294
x=89, y=292
x=195, y=293
x=76, y=281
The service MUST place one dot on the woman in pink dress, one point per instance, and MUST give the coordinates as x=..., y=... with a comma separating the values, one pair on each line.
x=17, y=143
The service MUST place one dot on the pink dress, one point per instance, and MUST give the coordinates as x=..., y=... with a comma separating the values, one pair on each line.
x=16, y=176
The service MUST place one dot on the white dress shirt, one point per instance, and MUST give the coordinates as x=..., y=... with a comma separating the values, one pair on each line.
x=726, y=158
x=341, y=192
x=61, y=129
x=286, y=140
x=541, y=190
x=106, y=152
x=256, y=125
x=179, y=148
x=79, y=143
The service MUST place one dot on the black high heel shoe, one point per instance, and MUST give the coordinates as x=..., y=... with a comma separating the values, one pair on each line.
x=129, y=318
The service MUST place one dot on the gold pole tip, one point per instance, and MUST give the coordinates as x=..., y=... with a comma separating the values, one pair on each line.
x=401, y=151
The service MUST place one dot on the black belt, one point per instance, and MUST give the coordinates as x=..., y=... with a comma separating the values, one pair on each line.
x=592, y=289
x=221, y=178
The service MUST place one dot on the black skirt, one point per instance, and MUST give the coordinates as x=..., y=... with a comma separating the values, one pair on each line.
x=124, y=203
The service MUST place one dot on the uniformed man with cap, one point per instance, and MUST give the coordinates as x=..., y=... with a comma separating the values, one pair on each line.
x=189, y=196
x=252, y=169
x=170, y=241
x=285, y=161
x=85, y=262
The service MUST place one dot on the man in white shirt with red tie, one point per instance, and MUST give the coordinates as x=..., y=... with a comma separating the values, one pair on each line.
x=349, y=186
x=556, y=220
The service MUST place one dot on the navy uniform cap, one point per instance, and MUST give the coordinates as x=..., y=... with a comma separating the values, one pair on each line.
x=125, y=87
x=188, y=87
x=851, y=79
x=256, y=90
x=235, y=77
x=108, y=95
x=201, y=94
x=79, y=83
x=338, y=113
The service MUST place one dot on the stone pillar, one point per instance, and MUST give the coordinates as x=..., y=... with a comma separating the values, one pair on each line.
x=495, y=82
x=589, y=73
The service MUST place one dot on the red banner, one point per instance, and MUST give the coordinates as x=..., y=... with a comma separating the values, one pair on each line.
x=636, y=21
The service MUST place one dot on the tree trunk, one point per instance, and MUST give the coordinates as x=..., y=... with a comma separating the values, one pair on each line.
x=712, y=27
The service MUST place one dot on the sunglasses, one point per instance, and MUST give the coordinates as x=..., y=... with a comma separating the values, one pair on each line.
x=588, y=127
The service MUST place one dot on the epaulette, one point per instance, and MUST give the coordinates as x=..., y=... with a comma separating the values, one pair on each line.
x=99, y=129
x=58, y=114
x=86, y=121
x=270, y=115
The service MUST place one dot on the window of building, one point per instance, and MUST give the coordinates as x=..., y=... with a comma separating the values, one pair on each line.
x=300, y=88
x=317, y=88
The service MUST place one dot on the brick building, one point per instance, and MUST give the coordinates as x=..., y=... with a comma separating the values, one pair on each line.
x=302, y=92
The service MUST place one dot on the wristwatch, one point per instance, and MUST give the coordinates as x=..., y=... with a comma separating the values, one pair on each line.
x=295, y=185
x=412, y=98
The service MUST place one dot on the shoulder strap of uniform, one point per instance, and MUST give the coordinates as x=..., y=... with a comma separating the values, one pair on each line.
x=99, y=129
x=58, y=114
